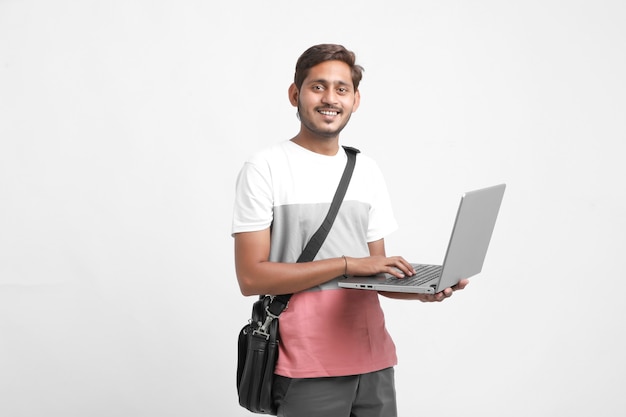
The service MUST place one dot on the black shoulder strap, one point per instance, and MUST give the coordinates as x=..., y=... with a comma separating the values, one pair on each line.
x=279, y=303
x=314, y=245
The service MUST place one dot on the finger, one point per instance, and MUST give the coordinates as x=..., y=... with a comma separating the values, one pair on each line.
x=404, y=266
x=409, y=267
x=435, y=298
x=396, y=272
x=442, y=295
x=460, y=285
x=398, y=267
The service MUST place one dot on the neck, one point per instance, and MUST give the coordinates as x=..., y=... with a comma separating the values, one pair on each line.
x=322, y=145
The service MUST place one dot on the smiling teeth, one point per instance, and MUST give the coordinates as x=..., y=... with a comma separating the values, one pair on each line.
x=329, y=113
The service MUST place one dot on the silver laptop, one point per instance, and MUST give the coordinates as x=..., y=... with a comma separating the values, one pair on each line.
x=473, y=227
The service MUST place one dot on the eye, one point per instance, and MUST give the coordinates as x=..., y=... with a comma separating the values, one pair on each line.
x=342, y=90
x=318, y=87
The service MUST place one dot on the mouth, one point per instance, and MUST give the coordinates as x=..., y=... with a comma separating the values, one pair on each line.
x=328, y=112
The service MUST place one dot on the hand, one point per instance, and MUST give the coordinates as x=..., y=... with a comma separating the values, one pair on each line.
x=447, y=293
x=372, y=265
x=428, y=298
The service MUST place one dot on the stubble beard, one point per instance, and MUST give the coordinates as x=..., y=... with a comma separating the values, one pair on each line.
x=310, y=126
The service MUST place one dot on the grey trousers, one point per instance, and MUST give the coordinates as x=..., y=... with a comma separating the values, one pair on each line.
x=367, y=395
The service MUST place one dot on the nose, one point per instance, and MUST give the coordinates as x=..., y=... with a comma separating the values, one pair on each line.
x=329, y=96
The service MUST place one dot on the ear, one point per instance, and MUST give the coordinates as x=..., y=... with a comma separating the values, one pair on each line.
x=357, y=101
x=293, y=95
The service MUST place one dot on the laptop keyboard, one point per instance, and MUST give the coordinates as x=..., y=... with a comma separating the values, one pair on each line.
x=423, y=274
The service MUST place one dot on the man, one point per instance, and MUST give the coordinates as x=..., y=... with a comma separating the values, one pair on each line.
x=336, y=358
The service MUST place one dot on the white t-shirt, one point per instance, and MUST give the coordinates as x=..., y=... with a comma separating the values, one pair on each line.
x=326, y=330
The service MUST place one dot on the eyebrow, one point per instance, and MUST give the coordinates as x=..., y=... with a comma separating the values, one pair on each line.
x=324, y=81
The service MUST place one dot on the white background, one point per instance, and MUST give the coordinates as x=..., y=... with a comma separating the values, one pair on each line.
x=123, y=125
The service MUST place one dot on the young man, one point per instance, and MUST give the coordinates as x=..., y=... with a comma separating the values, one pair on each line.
x=336, y=358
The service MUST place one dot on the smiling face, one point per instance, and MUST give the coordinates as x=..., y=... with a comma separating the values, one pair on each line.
x=326, y=100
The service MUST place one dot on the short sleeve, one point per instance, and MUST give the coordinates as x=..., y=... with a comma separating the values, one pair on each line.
x=253, y=199
x=382, y=221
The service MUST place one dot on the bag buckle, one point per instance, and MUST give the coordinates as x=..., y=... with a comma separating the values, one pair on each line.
x=263, y=329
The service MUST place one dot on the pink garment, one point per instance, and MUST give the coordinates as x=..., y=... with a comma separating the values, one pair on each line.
x=333, y=332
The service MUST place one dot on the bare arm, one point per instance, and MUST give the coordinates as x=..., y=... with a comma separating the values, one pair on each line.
x=257, y=275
